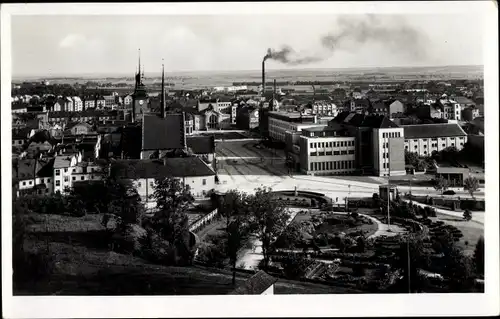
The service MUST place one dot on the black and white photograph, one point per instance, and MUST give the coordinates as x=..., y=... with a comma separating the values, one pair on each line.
x=336, y=156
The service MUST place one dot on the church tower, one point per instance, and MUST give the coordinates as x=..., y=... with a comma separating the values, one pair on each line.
x=140, y=96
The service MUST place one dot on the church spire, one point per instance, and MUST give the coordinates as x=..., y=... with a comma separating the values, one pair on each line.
x=162, y=107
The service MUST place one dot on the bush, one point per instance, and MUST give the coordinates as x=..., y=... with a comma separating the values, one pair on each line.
x=156, y=249
x=130, y=239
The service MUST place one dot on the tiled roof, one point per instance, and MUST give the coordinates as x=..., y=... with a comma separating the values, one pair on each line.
x=201, y=144
x=162, y=133
x=256, y=284
x=433, y=130
x=167, y=167
x=62, y=161
x=45, y=167
x=25, y=169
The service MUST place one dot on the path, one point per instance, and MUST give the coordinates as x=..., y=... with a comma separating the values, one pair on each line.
x=477, y=217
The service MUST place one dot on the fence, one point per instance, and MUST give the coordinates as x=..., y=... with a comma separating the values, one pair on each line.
x=201, y=222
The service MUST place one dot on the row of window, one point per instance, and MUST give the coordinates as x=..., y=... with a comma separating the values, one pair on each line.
x=330, y=153
x=327, y=166
x=434, y=139
x=435, y=145
x=391, y=135
x=151, y=184
x=58, y=171
x=42, y=181
x=331, y=144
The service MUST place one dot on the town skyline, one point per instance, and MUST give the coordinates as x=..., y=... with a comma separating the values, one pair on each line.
x=214, y=43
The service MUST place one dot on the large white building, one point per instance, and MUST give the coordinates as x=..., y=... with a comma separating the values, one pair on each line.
x=77, y=104
x=190, y=171
x=69, y=168
x=423, y=139
x=281, y=122
x=327, y=151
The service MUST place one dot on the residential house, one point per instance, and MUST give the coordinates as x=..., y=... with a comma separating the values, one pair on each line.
x=451, y=109
x=33, y=176
x=21, y=136
x=324, y=108
x=191, y=171
x=424, y=139
x=389, y=108
x=79, y=128
x=429, y=111
x=127, y=101
x=77, y=104
x=360, y=106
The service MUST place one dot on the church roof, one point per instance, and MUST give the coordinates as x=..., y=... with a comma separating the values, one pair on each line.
x=162, y=133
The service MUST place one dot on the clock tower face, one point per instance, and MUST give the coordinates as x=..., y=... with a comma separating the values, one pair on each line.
x=141, y=102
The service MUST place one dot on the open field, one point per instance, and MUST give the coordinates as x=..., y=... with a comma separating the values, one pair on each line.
x=471, y=230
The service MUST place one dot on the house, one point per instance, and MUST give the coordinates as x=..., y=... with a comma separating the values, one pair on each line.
x=190, y=171
x=424, y=139
x=33, y=175
x=247, y=117
x=469, y=113
x=324, y=108
x=79, y=128
x=69, y=168
x=19, y=108
x=77, y=104
x=429, y=111
x=387, y=108
x=451, y=109
x=360, y=106
x=259, y=284
x=161, y=134
x=202, y=146
x=21, y=136
x=127, y=100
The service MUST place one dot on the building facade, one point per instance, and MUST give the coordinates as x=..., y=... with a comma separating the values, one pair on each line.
x=426, y=138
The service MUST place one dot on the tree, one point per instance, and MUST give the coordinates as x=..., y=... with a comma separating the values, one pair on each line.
x=294, y=265
x=170, y=220
x=471, y=184
x=467, y=215
x=441, y=184
x=479, y=256
x=411, y=158
x=232, y=207
x=361, y=244
x=269, y=219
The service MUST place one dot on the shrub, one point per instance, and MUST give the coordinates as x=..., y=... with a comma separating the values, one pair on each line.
x=29, y=267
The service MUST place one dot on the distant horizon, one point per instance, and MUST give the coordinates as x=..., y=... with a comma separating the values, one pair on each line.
x=131, y=74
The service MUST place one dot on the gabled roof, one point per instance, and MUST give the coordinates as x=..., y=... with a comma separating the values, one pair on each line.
x=256, y=284
x=162, y=133
x=167, y=167
x=62, y=161
x=201, y=144
x=433, y=130
x=45, y=167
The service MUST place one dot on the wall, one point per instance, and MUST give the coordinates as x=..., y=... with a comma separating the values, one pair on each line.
x=198, y=224
x=387, y=144
x=327, y=164
x=425, y=146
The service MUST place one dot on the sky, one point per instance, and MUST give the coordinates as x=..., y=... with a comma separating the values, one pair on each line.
x=72, y=45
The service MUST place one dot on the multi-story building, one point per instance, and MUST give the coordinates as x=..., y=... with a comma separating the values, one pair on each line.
x=428, y=111
x=127, y=100
x=327, y=151
x=379, y=143
x=451, y=109
x=77, y=104
x=424, y=139
x=33, y=176
x=69, y=168
x=191, y=171
x=89, y=103
x=324, y=108
x=387, y=108
x=281, y=122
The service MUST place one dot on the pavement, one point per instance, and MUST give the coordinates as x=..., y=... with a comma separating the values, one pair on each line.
x=477, y=216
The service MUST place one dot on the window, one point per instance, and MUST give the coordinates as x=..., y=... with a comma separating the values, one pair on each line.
x=343, y=152
x=139, y=184
x=416, y=146
x=314, y=153
x=315, y=166
x=461, y=144
x=406, y=147
x=312, y=166
x=425, y=146
x=324, y=164
x=58, y=183
x=73, y=178
x=65, y=170
x=452, y=144
x=334, y=165
x=329, y=153
x=443, y=145
x=82, y=178
x=24, y=183
x=461, y=138
x=58, y=172
x=351, y=152
x=66, y=178
x=416, y=141
x=336, y=153
x=425, y=152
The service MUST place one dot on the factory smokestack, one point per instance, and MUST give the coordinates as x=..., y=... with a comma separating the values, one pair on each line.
x=264, y=75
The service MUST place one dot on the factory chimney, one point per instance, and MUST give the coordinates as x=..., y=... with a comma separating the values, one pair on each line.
x=263, y=77
x=162, y=106
x=274, y=95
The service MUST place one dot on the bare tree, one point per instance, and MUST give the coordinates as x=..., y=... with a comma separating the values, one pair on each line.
x=471, y=184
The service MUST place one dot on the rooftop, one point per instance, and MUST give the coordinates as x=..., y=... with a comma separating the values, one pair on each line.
x=255, y=285
x=362, y=120
x=201, y=144
x=162, y=133
x=433, y=130
x=167, y=167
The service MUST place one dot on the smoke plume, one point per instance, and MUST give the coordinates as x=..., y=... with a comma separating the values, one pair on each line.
x=354, y=32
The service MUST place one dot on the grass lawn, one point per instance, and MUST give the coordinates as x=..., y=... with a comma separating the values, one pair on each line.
x=83, y=265
x=58, y=223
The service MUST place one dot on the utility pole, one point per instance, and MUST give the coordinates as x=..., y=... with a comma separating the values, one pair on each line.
x=408, y=256
x=388, y=186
